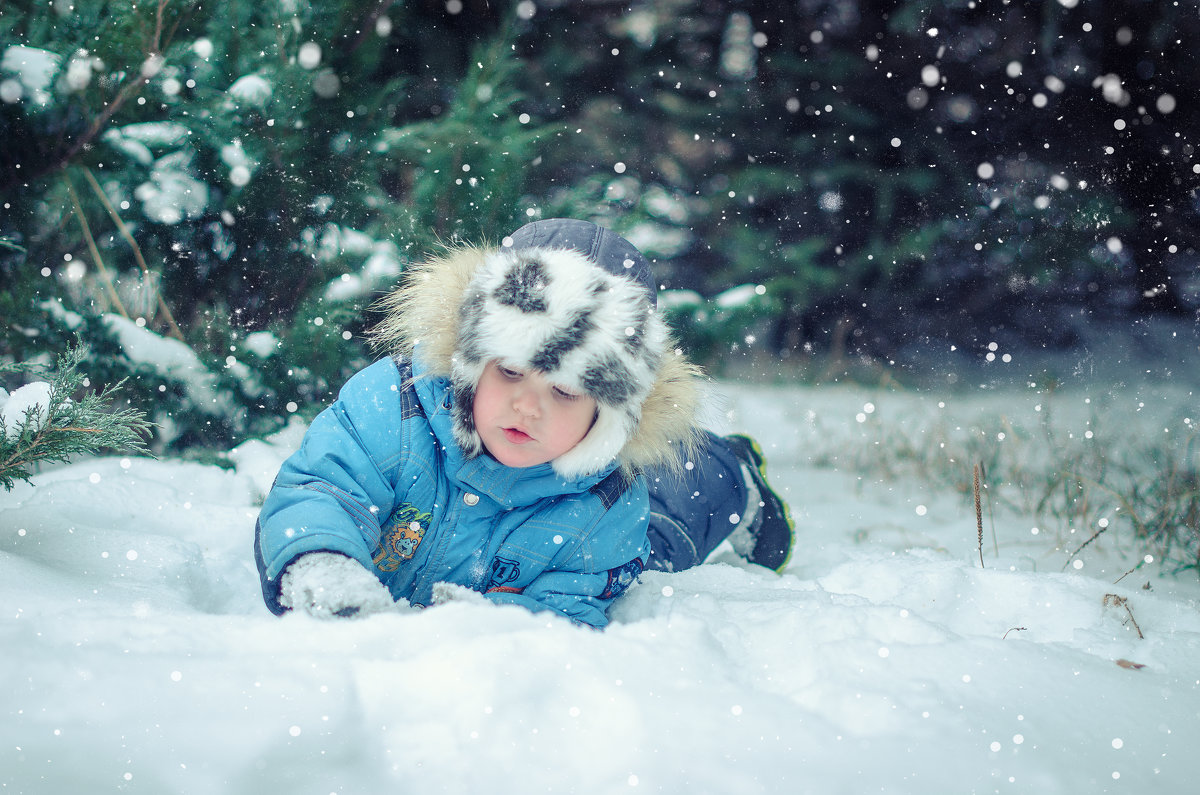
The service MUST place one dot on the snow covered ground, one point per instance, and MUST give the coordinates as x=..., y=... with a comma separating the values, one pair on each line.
x=138, y=657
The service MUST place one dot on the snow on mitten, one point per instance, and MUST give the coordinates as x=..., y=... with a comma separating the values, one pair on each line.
x=331, y=585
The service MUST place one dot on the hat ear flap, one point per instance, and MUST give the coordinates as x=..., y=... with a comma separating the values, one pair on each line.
x=600, y=446
x=463, y=382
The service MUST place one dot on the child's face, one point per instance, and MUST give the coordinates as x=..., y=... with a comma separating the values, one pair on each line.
x=525, y=420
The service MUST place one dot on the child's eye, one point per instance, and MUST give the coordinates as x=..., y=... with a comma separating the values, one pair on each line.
x=508, y=372
x=564, y=394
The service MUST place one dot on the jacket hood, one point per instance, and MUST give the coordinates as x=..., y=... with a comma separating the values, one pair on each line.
x=587, y=322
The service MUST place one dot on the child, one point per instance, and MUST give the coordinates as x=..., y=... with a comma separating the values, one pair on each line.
x=525, y=438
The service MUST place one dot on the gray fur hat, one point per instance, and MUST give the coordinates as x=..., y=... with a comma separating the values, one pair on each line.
x=572, y=300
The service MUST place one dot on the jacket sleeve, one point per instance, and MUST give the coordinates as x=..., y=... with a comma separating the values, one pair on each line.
x=589, y=577
x=332, y=493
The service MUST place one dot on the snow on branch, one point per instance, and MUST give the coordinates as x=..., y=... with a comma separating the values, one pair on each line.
x=41, y=421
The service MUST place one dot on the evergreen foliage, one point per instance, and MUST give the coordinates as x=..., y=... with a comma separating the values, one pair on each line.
x=70, y=421
x=250, y=195
x=463, y=172
x=904, y=170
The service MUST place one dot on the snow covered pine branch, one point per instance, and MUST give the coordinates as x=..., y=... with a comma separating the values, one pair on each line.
x=41, y=422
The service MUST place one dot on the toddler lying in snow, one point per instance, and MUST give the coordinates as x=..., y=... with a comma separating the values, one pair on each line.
x=531, y=436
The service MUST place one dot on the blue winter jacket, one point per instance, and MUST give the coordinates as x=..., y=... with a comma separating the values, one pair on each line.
x=379, y=478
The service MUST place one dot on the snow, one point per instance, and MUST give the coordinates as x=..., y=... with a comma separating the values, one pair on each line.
x=138, y=655
x=253, y=90
x=674, y=299
x=241, y=165
x=136, y=140
x=34, y=69
x=14, y=408
x=736, y=297
x=163, y=134
x=79, y=70
x=172, y=194
x=381, y=262
x=261, y=343
x=170, y=360
x=658, y=239
x=134, y=150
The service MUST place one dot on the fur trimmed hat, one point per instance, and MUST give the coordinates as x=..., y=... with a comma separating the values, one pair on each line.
x=575, y=302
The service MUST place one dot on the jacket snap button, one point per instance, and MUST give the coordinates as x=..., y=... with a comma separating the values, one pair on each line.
x=471, y=499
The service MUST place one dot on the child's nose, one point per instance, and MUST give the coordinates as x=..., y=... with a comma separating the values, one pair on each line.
x=526, y=402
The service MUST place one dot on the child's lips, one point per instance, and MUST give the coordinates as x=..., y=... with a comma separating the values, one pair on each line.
x=517, y=436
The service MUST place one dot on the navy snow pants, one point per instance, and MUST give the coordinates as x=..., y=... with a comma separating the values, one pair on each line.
x=692, y=513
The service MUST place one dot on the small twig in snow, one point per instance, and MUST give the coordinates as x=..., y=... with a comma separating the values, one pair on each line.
x=1113, y=600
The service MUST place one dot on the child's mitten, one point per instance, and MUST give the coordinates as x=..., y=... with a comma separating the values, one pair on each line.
x=331, y=585
x=444, y=592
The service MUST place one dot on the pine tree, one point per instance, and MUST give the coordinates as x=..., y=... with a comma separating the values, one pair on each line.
x=57, y=426
x=465, y=171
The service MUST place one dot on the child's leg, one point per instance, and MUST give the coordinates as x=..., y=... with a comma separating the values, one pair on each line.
x=724, y=495
x=690, y=513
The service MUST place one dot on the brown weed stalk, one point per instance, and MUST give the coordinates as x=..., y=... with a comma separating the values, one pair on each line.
x=1113, y=600
x=978, y=516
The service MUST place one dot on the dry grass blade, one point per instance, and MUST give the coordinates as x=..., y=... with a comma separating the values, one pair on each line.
x=978, y=516
x=93, y=248
x=137, y=253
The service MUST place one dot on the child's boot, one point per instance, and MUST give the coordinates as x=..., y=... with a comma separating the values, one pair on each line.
x=766, y=533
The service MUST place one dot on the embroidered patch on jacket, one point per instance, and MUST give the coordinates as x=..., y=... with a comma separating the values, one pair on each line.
x=621, y=578
x=400, y=537
x=504, y=571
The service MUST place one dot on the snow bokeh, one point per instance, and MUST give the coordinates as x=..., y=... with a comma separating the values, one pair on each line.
x=139, y=657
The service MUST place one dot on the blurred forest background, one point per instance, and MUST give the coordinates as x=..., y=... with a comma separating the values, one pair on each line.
x=212, y=195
